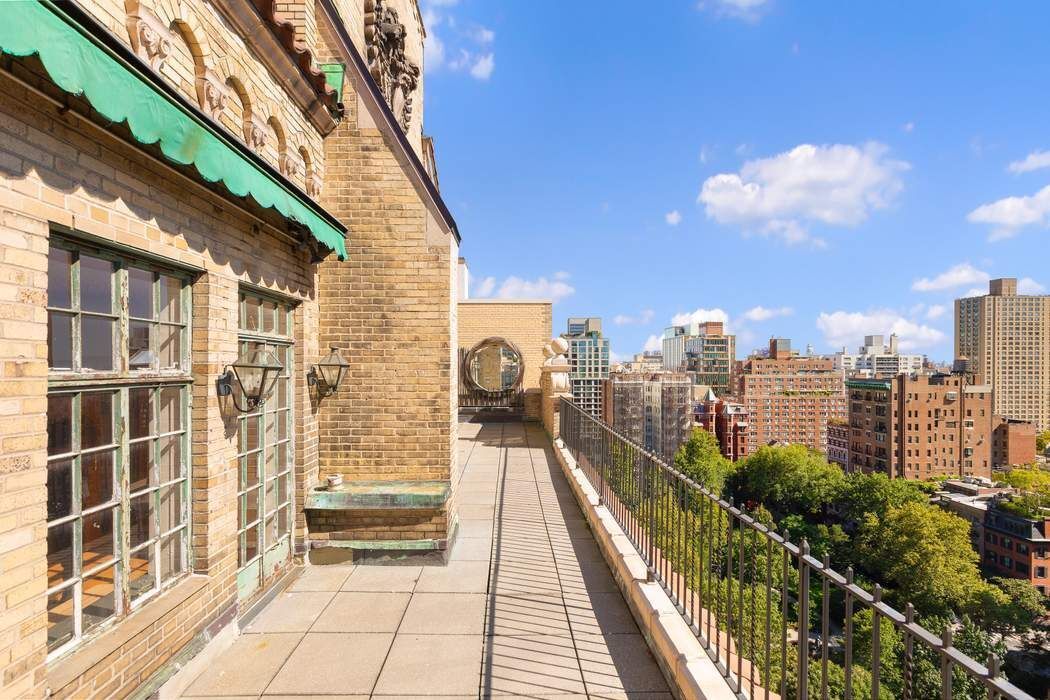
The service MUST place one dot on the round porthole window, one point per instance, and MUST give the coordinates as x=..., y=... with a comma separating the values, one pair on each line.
x=493, y=366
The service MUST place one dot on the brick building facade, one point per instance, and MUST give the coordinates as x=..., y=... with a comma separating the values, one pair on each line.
x=726, y=420
x=1013, y=443
x=168, y=192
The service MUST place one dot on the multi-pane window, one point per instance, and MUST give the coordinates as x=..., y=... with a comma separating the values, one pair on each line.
x=265, y=451
x=118, y=402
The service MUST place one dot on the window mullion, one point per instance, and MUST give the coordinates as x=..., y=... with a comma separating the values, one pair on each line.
x=74, y=300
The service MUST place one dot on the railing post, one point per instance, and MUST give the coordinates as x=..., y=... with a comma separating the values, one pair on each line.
x=876, y=641
x=946, y=664
x=803, y=621
x=848, y=658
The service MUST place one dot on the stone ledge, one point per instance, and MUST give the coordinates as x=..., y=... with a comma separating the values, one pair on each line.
x=690, y=672
x=383, y=495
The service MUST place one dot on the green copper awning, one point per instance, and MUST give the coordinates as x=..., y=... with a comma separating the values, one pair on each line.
x=80, y=65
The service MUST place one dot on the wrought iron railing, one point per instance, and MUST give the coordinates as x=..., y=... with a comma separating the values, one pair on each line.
x=743, y=589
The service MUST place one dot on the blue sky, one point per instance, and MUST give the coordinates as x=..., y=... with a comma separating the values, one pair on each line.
x=815, y=170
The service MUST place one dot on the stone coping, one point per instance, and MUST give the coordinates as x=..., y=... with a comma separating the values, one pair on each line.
x=689, y=670
x=361, y=495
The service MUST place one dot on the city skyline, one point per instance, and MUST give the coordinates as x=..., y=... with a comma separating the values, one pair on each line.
x=909, y=125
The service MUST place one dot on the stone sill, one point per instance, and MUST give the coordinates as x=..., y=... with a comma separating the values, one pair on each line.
x=689, y=670
x=67, y=669
x=379, y=495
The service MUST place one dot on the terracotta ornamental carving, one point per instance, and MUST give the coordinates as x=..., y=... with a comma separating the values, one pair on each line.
x=150, y=39
x=396, y=75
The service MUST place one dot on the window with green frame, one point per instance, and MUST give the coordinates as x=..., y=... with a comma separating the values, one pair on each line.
x=117, y=436
x=265, y=448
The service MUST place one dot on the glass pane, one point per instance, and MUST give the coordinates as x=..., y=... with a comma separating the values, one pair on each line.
x=96, y=284
x=282, y=522
x=282, y=320
x=59, y=553
x=271, y=429
x=98, y=538
x=282, y=393
x=96, y=473
x=143, y=524
x=59, y=618
x=96, y=419
x=269, y=309
x=282, y=422
x=143, y=575
x=251, y=433
x=171, y=507
x=170, y=299
x=171, y=556
x=251, y=314
x=270, y=530
x=140, y=412
x=271, y=495
x=141, y=460
x=139, y=354
x=169, y=346
x=170, y=409
x=170, y=458
x=140, y=293
x=250, y=477
x=251, y=543
x=250, y=505
x=59, y=489
x=99, y=599
x=59, y=424
x=282, y=456
x=282, y=488
x=59, y=340
x=96, y=342
x=58, y=280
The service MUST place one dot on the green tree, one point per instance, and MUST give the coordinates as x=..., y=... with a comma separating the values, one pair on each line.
x=876, y=493
x=925, y=553
x=700, y=458
x=1029, y=479
x=792, y=479
x=1042, y=440
x=1008, y=606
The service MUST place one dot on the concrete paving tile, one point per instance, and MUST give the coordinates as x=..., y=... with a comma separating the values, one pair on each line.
x=421, y=664
x=322, y=578
x=454, y=577
x=471, y=549
x=445, y=613
x=532, y=666
x=290, y=612
x=618, y=662
x=391, y=579
x=472, y=527
x=363, y=611
x=247, y=667
x=320, y=664
x=482, y=498
x=471, y=511
x=600, y=613
x=518, y=615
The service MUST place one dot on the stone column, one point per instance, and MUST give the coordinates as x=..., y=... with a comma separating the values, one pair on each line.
x=554, y=384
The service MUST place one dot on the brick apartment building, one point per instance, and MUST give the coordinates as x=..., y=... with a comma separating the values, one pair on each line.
x=838, y=443
x=920, y=426
x=789, y=399
x=1017, y=546
x=184, y=187
x=653, y=409
x=726, y=420
x=1013, y=443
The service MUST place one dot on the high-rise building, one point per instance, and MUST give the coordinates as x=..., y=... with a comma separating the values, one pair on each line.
x=1005, y=338
x=876, y=359
x=588, y=362
x=921, y=426
x=789, y=398
x=704, y=350
x=726, y=420
x=653, y=409
x=838, y=443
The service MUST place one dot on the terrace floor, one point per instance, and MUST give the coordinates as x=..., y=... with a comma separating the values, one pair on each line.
x=525, y=607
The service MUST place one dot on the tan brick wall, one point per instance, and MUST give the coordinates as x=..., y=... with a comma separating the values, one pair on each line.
x=527, y=324
x=377, y=524
x=56, y=169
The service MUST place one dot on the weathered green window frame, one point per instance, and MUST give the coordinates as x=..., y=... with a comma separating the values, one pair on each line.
x=69, y=386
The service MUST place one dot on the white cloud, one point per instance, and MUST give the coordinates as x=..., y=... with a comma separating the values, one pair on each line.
x=958, y=276
x=1009, y=215
x=974, y=292
x=641, y=319
x=483, y=67
x=705, y=153
x=653, y=343
x=539, y=288
x=485, y=287
x=846, y=328
x=835, y=185
x=699, y=316
x=747, y=10
x=936, y=311
x=483, y=35
x=1027, y=285
x=1036, y=160
x=761, y=313
x=673, y=218
x=908, y=127
x=433, y=51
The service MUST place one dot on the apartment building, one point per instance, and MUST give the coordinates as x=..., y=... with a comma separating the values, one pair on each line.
x=878, y=359
x=1013, y=443
x=651, y=408
x=588, y=362
x=789, y=399
x=920, y=427
x=728, y=421
x=1005, y=337
x=838, y=443
x=704, y=350
x=178, y=262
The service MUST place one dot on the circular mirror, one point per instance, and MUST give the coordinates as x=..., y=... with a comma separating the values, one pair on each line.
x=493, y=366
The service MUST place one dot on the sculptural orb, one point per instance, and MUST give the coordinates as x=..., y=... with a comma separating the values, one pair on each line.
x=560, y=346
x=493, y=366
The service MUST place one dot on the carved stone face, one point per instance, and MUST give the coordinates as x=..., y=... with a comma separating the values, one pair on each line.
x=150, y=38
x=256, y=136
x=214, y=97
x=395, y=74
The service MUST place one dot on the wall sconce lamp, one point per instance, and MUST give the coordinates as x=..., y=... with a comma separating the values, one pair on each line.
x=328, y=374
x=253, y=376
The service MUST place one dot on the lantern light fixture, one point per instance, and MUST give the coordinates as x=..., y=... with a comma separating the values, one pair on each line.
x=253, y=376
x=328, y=374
